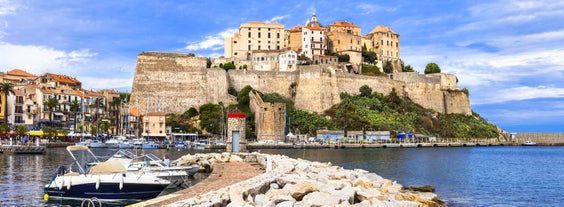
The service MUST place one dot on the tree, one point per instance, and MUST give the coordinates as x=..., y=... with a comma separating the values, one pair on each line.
x=432, y=68
x=75, y=105
x=51, y=103
x=192, y=112
x=208, y=63
x=344, y=58
x=243, y=95
x=228, y=66
x=365, y=91
x=388, y=68
x=408, y=68
x=21, y=130
x=5, y=90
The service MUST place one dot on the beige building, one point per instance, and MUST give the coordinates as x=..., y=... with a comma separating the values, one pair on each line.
x=386, y=44
x=343, y=36
x=254, y=36
x=265, y=60
x=154, y=126
x=295, y=39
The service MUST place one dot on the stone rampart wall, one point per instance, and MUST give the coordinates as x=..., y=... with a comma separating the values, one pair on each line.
x=174, y=82
x=541, y=138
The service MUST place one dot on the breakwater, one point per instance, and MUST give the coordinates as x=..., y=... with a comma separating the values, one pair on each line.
x=296, y=182
x=542, y=138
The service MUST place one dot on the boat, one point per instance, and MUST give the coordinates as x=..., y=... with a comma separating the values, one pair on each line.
x=97, y=144
x=152, y=165
x=83, y=143
x=150, y=145
x=125, y=144
x=529, y=143
x=112, y=143
x=86, y=177
x=179, y=144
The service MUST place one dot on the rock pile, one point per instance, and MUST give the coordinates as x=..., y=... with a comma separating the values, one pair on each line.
x=296, y=182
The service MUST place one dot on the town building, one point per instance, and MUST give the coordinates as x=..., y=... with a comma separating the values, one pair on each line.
x=254, y=36
x=386, y=44
x=154, y=127
x=288, y=61
x=344, y=38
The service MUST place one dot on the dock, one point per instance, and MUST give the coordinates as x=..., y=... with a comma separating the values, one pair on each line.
x=22, y=149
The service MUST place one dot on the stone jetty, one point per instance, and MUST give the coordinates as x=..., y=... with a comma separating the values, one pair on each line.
x=282, y=181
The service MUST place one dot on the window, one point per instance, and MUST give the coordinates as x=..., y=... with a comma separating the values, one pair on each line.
x=277, y=35
x=259, y=35
x=234, y=42
x=269, y=35
x=249, y=34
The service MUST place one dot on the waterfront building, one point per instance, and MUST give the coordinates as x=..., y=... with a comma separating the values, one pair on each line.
x=254, y=36
x=154, y=127
x=113, y=106
x=330, y=136
x=386, y=44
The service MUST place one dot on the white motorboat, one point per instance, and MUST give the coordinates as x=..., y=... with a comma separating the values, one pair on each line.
x=112, y=143
x=97, y=144
x=151, y=164
x=529, y=143
x=150, y=145
x=125, y=144
x=109, y=180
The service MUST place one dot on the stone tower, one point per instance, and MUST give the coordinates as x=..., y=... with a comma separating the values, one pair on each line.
x=236, y=141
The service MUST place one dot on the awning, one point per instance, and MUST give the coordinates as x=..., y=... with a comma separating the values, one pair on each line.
x=35, y=133
x=58, y=114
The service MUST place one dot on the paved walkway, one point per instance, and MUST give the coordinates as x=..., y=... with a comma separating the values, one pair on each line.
x=224, y=174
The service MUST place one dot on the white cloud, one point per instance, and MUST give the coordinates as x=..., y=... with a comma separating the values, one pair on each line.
x=277, y=18
x=7, y=7
x=39, y=59
x=367, y=8
x=211, y=42
x=98, y=82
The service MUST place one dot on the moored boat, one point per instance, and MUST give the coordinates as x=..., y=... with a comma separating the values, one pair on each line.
x=109, y=180
x=529, y=143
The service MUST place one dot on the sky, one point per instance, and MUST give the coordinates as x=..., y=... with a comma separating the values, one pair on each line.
x=508, y=53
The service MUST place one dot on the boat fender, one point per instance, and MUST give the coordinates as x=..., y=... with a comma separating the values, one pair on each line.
x=46, y=197
x=121, y=183
x=98, y=183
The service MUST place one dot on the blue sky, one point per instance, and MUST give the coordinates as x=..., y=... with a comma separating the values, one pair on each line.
x=509, y=54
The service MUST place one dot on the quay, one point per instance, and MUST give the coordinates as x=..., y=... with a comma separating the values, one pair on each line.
x=254, y=179
x=22, y=149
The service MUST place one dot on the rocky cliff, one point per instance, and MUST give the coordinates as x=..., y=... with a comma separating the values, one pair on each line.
x=173, y=83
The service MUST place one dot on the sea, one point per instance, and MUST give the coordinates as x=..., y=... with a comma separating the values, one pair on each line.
x=462, y=176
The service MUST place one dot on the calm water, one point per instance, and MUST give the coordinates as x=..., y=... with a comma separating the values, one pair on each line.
x=470, y=176
x=473, y=176
x=22, y=177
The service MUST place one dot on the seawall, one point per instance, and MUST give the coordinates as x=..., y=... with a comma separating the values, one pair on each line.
x=295, y=182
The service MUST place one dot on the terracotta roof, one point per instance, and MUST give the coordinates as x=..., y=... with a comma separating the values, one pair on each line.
x=315, y=28
x=343, y=24
x=63, y=78
x=92, y=93
x=156, y=113
x=381, y=28
x=134, y=111
x=19, y=72
x=296, y=29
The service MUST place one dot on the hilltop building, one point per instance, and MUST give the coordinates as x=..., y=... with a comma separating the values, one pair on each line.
x=344, y=38
x=254, y=36
x=386, y=44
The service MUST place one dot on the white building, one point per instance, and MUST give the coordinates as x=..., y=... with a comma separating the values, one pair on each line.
x=313, y=41
x=288, y=61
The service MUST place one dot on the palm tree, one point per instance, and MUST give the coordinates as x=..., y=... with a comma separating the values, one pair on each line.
x=75, y=105
x=51, y=103
x=6, y=89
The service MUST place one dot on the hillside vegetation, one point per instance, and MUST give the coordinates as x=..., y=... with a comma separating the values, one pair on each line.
x=364, y=111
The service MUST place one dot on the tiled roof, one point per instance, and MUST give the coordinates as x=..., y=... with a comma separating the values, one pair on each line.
x=19, y=72
x=63, y=78
x=296, y=29
x=381, y=28
x=315, y=28
x=156, y=113
x=134, y=111
x=343, y=24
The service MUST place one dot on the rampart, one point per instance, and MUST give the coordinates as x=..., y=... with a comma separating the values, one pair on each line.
x=172, y=82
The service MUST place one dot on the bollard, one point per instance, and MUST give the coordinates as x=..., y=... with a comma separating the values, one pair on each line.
x=268, y=163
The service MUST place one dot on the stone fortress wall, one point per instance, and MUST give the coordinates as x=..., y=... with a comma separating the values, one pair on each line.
x=173, y=83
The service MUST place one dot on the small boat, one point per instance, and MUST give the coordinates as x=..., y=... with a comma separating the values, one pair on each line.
x=125, y=144
x=529, y=143
x=97, y=144
x=83, y=143
x=152, y=165
x=150, y=145
x=179, y=144
x=85, y=178
x=113, y=143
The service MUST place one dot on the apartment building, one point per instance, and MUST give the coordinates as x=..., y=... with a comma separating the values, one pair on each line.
x=254, y=36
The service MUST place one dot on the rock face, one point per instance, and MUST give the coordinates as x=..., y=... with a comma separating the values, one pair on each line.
x=304, y=183
x=173, y=83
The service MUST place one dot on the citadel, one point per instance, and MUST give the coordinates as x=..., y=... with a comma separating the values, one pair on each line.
x=270, y=59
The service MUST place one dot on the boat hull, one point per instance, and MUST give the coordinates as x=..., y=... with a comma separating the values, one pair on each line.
x=104, y=190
